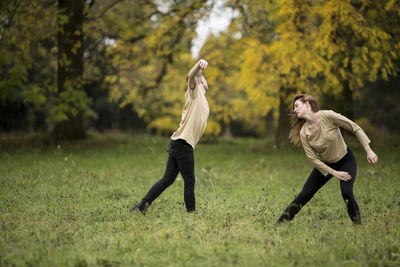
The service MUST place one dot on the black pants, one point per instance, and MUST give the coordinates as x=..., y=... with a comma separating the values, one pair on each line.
x=316, y=180
x=181, y=159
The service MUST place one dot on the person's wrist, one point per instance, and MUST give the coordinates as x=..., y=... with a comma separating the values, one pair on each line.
x=367, y=148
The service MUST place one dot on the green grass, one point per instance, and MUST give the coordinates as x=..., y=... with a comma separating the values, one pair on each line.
x=69, y=206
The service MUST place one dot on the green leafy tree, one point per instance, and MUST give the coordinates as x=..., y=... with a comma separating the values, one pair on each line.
x=71, y=99
x=26, y=56
x=42, y=59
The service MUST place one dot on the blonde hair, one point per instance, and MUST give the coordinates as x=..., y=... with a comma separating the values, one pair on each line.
x=296, y=122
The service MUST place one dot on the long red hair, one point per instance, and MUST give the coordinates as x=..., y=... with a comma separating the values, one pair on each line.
x=296, y=122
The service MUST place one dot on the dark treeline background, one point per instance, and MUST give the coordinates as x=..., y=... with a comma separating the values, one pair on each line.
x=70, y=66
x=382, y=111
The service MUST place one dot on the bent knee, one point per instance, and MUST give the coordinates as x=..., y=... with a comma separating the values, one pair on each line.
x=348, y=196
x=189, y=182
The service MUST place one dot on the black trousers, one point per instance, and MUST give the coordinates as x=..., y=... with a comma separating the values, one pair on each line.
x=316, y=180
x=180, y=159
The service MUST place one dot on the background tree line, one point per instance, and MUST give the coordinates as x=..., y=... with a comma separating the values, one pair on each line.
x=67, y=66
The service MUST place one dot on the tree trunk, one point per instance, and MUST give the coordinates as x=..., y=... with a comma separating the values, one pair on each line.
x=282, y=133
x=347, y=103
x=269, y=122
x=70, y=63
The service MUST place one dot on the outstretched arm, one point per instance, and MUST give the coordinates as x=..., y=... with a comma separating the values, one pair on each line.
x=200, y=65
x=371, y=156
x=349, y=125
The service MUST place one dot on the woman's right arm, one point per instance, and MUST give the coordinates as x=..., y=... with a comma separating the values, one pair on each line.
x=351, y=126
x=371, y=156
x=313, y=157
x=200, y=65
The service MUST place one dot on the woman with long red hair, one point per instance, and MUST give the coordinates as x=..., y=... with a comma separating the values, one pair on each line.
x=319, y=134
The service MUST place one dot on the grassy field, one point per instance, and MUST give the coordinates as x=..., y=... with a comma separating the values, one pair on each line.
x=68, y=205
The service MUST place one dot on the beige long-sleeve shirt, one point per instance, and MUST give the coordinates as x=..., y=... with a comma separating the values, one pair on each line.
x=194, y=116
x=326, y=145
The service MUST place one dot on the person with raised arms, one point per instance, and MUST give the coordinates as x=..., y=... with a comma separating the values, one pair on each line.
x=183, y=141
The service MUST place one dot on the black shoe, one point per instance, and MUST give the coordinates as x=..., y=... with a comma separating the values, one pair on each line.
x=357, y=218
x=282, y=219
x=141, y=206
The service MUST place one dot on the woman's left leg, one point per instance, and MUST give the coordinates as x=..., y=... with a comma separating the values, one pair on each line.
x=350, y=165
x=314, y=182
x=185, y=161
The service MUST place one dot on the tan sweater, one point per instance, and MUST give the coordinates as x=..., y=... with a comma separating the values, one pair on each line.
x=326, y=145
x=194, y=116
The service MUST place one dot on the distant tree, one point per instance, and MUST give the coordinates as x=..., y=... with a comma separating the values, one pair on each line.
x=71, y=99
x=54, y=52
x=359, y=40
x=319, y=47
x=42, y=62
x=27, y=36
x=263, y=82
x=226, y=99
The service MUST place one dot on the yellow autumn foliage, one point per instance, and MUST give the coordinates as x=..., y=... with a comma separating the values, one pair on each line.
x=271, y=50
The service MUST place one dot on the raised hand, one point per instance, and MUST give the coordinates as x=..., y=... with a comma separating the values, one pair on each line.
x=203, y=64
